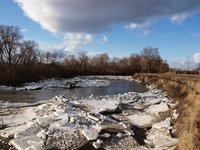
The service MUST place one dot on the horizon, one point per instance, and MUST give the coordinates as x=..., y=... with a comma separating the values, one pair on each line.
x=100, y=27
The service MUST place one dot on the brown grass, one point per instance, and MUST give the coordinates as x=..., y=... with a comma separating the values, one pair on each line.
x=186, y=90
x=188, y=123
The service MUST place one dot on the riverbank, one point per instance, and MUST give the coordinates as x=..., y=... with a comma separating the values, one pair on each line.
x=126, y=121
x=184, y=90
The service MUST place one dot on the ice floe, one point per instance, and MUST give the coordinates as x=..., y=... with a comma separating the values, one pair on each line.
x=158, y=108
x=90, y=134
x=106, y=122
x=81, y=81
x=98, y=106
x=128, y=78
x=141, y=120
x=59, y=83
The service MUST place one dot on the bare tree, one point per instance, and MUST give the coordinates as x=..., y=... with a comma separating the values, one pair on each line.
x=61, y=56
x=16, y=56
x=134, y=63
x=71, y=63
x=50, y=57
x=164, y=67
x=41, y=57
x=148, y=55
x=114, y=65
x=84, y=61
x=123, y=65
x=28, y=52
x=10, y=38
x=101, y=62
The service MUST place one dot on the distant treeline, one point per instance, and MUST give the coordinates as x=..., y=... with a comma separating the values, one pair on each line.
x=21, y=61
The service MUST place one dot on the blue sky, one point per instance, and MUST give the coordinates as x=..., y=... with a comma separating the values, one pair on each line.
x=174, y=31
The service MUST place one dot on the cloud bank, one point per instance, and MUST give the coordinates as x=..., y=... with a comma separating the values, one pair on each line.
x=91, y=16
x=70, y=42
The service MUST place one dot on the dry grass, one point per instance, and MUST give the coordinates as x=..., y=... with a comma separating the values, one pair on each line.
x=188, y=123
x=186, y=90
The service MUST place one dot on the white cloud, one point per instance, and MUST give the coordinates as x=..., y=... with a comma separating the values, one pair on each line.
x=132, y=26
x=72, y=43
x=75, y=42
x=144, y=27
x=104, y=40
x=78, y=19
x=90, y=16
x=197, y=57
x=179, y=18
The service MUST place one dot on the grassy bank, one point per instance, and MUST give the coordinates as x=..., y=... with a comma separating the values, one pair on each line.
x=186, y=90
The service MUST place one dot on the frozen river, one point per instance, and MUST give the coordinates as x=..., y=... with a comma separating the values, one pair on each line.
x=96, y=86
x=108, y=112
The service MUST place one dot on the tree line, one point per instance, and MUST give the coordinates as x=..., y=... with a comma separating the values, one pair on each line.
x=22, y=61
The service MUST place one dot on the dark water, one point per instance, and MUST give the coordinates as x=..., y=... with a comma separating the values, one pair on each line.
x=115, y=87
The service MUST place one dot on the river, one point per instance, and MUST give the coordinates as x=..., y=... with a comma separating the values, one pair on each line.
x=116, y=86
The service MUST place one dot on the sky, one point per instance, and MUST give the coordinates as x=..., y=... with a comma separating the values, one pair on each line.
x=116, y=27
